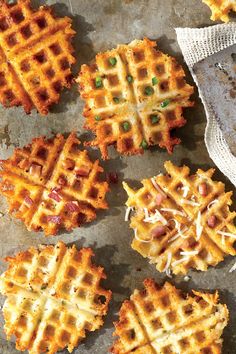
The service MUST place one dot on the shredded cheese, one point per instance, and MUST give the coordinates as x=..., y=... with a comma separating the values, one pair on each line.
x=155, y=185
x=190, y=202
x=179, y=233
x=174, y=211
x=139, y=239
x=223, y=239
x=179, y=261
x=168, y=262
x=146, y=214
x=189, y=253
x=211, y=203
x=229, y=234
x=233, y=268
x=156, y=217
x=185, y=190
x=127, y=213
x=199, y=227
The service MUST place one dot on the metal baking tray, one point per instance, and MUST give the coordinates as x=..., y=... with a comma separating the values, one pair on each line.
x=101, y=25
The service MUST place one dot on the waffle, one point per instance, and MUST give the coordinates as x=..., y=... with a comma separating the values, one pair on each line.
x=134, y=97
x=52, y=184
x=220, y=9
x=162, y=320
x=182, y=221
x=35, y=56
x=53, y=297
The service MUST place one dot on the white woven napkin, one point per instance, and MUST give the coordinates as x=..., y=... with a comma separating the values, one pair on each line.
x=197, y=44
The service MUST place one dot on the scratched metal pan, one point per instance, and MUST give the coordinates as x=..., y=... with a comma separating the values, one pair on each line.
x=216, y=76
x=100, y=25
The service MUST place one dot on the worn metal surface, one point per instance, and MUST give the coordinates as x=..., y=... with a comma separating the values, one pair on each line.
x=101, y=24
x=220, y=70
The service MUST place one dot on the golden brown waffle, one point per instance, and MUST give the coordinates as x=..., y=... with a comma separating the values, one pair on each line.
x=35, y=56
x=163, y=320
x=182, y=221
x=220, y=9
x=53, y=297
x=134, y=97
x=52, y=184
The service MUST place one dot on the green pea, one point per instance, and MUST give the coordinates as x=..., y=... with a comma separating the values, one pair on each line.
x=98, y=82
x=129, y=78
x=97, y=118
x=148, y=91
x=116, y=99
x=144, y=144
x=154, y=118
x=112, y=61
x=165, y=103
x=154, y=80
x=44, y=286
x=126, y=126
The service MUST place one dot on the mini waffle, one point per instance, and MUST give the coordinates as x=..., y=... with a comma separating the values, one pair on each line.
x=53, y=297
x=35, y=56
x=134, y=97
x=182, y=221
x=220, y=9
x=163, y=320
x=52, y=184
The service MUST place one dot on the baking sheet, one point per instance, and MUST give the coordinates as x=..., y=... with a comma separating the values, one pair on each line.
x=101, y=24
x=219, y=70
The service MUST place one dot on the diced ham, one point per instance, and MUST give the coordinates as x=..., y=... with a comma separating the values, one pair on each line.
x=23, y=163
x=211, y=222
x=159, y=199
x=35, y=170
x=82, y=171
x=28, y=201
x=61, y=181
x=54, y=195
x=112, y=177
x=202, y=188
x=72, y=206
x=55, y=219
x=158, y=231
x=187, y=244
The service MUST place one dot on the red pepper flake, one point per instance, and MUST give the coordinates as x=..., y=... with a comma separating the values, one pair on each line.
x=54, y=195
x=28, y=200
x=55, y=219
x=72, y=206
x=158, y=231
x=112, y=177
